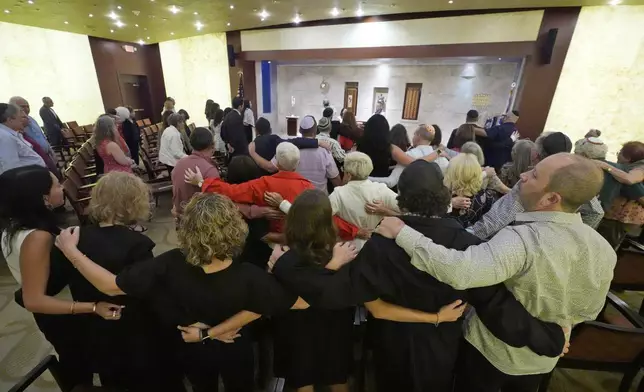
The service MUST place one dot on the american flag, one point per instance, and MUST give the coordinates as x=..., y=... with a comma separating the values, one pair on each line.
x=240, y=89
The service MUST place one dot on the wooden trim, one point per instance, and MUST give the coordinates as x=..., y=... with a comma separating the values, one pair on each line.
x=498, y=49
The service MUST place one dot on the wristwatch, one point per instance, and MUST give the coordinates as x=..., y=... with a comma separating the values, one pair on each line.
x=203, y=335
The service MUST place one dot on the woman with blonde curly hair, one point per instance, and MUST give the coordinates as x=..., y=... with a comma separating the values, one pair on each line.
x=117, y=200
x=464, y=179
x=197, y=284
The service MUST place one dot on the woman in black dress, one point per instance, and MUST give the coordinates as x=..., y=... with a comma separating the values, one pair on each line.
x=28, y=226
x=197, y=283
x=131, y=132
x=117, y=200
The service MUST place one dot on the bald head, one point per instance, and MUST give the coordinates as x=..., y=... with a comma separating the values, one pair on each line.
x=576, y=180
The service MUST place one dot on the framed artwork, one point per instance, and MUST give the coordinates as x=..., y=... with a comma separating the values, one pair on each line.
x=351, y=96
x=380, y=95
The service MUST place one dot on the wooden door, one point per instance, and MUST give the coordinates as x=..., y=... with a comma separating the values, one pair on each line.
x=351, y=96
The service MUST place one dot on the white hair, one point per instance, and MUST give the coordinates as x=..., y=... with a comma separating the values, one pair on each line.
x=474, y=149
x=123, y=113
x=15, y=99
x=358, y=165
x=287, y=156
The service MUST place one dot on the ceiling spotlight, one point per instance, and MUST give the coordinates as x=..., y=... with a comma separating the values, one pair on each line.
x=174, y=9
x=451, y=1
x=335, y=11
x=263, y=19
x=614, y=2
x=30, y=2
x=111, y=31
x=136, y=25
x=119, y=7
x=297, y=19
x=66, y=22
x=118, y=23
x=264, y=14
x=232, y=7
x=147, y=38
x=91, y=15
x=199, y=25
x=112, y=15
x=171, y=33
x=359, y=12
x=141, y=42
x=228, y=24
x=195, y=13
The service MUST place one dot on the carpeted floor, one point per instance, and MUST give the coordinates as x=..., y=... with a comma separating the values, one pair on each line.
x=22, y=346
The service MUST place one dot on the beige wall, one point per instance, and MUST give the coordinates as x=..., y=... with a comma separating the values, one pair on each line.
x=602, y=82
x=196, y=69
x=501, y=27
x=37, y=62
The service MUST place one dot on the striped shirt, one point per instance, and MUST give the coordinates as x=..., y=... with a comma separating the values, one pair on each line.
x=336, y=149
x=558, y=268
x=504, y=212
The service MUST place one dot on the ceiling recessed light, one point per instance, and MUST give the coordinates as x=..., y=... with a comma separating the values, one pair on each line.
x=228, y=24
x=145, y=29
x=119, y=7
x=359, y=12
x=66, y=22
x=615, y=2
x=111, y=31
x=30, y=2
x=171, y=33
x=264, y=14
x=174, y=9
x=232, y=7
x=195, y=13
x=451, y=1
x=147, y=38
x=118, y=23
x=112, y=15
x=141, y=42
x=199, y=25
x=335, y=11
x=297, y=19
x=136, y=25
x=499, y=58
x=91, y=15
x=7, y=11
x=263, y=19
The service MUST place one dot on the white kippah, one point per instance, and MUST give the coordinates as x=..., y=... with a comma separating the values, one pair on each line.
x=307, y=123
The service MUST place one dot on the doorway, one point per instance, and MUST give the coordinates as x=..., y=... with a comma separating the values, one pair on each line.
x=135, y=92
x=351, y=97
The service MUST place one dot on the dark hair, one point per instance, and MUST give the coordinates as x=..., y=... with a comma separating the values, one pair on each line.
x=218, y=116
x=327, y=112
x=242, y=169
x=421, y=189
x=515, y=112
x=111, y=111
x=246, y=105
x=633, y=151
x=226, y=111
x=201, y=139
x=21, y=202
x=376, y=141
x=237, y=102
x=185, y=114
x=6, y=112
x=165, y=116
x=310, y=231
x=399, y=137
x=438, y=135
x=263, y=126
x=472, y=115
x=209, y=111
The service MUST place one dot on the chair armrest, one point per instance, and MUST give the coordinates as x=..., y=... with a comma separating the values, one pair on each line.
x=634, y=244
x=623, y=308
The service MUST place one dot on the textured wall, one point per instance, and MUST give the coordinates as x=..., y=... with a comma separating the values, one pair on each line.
x=37, y=62
x=446, y=95
x=602, y=81
x=501, y=27
x=196, y=69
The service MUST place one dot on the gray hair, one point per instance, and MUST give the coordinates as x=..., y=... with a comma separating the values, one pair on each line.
x=175, y=119
x=287, y=156
x=474, y=149
x=12, y=111
x=104, y=128
x=522, y=154
x=15, y=99
x=359, y=165
x=539, y=143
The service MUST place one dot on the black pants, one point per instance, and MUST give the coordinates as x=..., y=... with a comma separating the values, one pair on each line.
x=476, y=374
x=248, y=130
x=204, y=362
x=62, y=331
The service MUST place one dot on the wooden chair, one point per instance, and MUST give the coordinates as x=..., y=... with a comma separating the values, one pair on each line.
x=72, y=124
x=140, y=123
x=605, y=347
x=80, y=134
x=77, y=201
x=629, y=270
x=146, y=122
x=87, y=174
x=89, y=129
x=71, y=139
